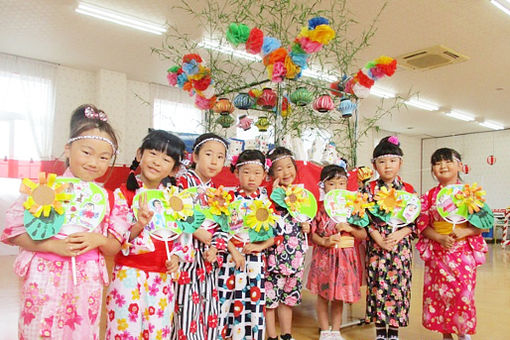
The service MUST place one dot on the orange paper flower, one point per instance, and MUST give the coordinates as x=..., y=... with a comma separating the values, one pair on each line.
x=388, y=199
x=472, y=197
x=218, y=200
x=359, y=204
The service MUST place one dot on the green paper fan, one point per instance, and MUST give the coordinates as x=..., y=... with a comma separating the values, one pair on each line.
x=41, y=228
x=483, y=219
x=278, y=196
x=307, y=209
x=191, y=223
x=376, y=211
x=359, y=221
x=446, y=204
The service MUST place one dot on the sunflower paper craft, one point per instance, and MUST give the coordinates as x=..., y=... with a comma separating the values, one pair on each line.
x=388, y=200
x=359, y=204
x=218, y=201
x=472, y=198
x=261, y=216
x=295, y=197
x=180, y=204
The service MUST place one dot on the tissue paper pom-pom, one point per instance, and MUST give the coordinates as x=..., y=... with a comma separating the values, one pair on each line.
x=360, y=91
x=310, y=46
x=255, y=93
x=204, y=103
x=322, y=34
x=187, y=86
x=279, y=72
x=192, y=56
x=181, y=79
x=305, y=33
x=172, y=78
x=255, y=41
x=296, y=48
x=384, y=60
x=270, y=44
x=364, y=80
x=277, y=55
x=201, y=84
x=173, y=69
x=292, y=69
x=377, y=72
x=237, y=34
x=388, y=69
x=314, y=22
x=190, y=67
x=299, y=59
x=349, y=85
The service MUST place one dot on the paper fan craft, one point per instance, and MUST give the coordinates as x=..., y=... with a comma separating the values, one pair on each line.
x=300, y=202
x=398, y=208
x=252, y=220
x=458, y=203
x=174, y=212
x=347, y=206
x=218, y=201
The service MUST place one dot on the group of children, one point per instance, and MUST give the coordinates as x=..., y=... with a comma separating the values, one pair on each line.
x=211, y=285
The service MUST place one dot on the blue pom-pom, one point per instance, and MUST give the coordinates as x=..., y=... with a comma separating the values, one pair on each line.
x=299, y=59
x=269, y=45
x=191, y=67
x=314, y=22
x=181, y=79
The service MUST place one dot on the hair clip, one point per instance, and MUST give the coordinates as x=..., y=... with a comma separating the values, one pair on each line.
x=269, y=163
x=394, y=140
x=342, y=164
x=93, y=114
x=234, y=160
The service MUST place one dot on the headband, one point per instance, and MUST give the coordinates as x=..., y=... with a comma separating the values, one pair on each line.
x=211, y=139
x=74, y=139
x=281, y=157
x=91, y=113
x=386, y=156
x=266, y=166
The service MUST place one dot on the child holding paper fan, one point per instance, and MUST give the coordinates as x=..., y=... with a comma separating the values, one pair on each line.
x=140, y=299
x=389, y=253
x=53, y=304
x=451, y=257
x=285, y=261
x=242, y=275
x=333, y=275
x=197, y=303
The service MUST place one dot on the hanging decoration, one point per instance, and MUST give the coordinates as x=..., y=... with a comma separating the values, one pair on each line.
x=245, y=122
x=243, y=101
x=347, y=107
x=223, y=106
x=267, y=98
x=323, y=104
x=301, y=96
x=225, y=120
x=491, y=160
x=262, y=124
x=466, y=169
x=194, y=78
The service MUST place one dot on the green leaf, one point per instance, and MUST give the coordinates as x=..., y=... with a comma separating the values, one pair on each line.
x=278, y=196
x=223, y=222
x=357, y=220
x=483, y=219
x=262, y=235
x=379, y=213
x=192, y=223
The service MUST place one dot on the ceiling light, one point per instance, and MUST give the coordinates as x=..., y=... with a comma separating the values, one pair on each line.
x=421, y=104
x=119, y=18
x=502, y=5
x=312, y=73
x=492, y=125
x=380, y=92
x=227, y=49
x=460, y=116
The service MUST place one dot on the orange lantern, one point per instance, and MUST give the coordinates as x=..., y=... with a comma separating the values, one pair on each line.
x=223, y=106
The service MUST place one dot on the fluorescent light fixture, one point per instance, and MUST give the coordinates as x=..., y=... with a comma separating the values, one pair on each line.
x=227, y=49
x=460, y=115
x=421, y=104
x=313, y=73
x=492, y=125
x=119, y=18
x=380, y=92
x=504, y=7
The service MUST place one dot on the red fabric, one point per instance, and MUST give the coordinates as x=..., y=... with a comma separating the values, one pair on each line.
x=150, y=262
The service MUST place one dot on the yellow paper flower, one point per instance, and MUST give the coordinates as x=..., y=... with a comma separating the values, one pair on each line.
x=180, y=204
x=359, y=204
x=260, y=216
x=218, y=200
x=388, y=199
x=44, y=196
x=295, y=196
x=292, y=69
x=305, y=33
x=472, y=197
x=322, y=34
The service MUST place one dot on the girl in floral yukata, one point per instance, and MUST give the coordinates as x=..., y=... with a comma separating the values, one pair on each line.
x=285, y=261
x=52, y=305
x=389, y=253
x=451, y=257
x=242, y=275
x=140, y=299
x=197, y=303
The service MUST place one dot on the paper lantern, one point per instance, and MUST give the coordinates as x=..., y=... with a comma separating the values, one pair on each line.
x=347, y=107
x=323, y=104
x=262, y=123
x=225, y=120
x=243, y=101
x=245, y=122
x=491, y=160
x=267, y=99
x=301, y=97
x=466, y=169
x=223, y=106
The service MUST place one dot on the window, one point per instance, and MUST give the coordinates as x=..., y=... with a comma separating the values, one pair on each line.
x=177, y=117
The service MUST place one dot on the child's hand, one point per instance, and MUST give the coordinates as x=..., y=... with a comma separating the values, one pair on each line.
x=251, y=248
x=459, y=233
x=62, y=248
x=334, y=240
x=386, y=245
x=203, y=236
x=446, y=241
x=83, y=242
x=172, y=265
x=144, y=215
x=276, y=184
x=343, y=226
x=305, y=227
x=210, y=255
x=239, y=259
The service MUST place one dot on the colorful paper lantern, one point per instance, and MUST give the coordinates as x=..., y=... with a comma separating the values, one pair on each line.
x=466, y=169
x=301, y=97
x=491, y=160
x=245, y=122
x=323, y=104
x=267, y=99
x=243, y=101
x=285, y=107
x=223, y=106
x=347, y=107
x=262, y=123
x=225, y=120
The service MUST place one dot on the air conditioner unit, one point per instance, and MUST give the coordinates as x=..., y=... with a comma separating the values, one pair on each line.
x=429, y=58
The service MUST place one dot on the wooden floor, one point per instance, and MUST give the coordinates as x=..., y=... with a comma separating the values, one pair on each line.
x=492, y=301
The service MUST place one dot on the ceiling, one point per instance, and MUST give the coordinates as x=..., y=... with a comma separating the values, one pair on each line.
x=53, y=31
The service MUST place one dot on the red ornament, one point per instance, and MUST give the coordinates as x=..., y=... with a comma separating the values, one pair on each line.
x=465, y=169
x=323, y=104
x=267, y=99
x=491, y=160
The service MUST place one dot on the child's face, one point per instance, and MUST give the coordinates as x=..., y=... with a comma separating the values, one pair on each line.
x=388, y=167
x=250, y=176
x=155, y=166
x=285, y=171
x=338, y=182
x=210, y=159
x=447, y=171
x=89, y=158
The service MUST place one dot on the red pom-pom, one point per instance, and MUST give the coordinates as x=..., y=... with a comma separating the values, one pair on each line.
x=192, y=56
x=335, y=90
x=389, y=69
x=202, y=84
x=364, y=80
x=255, y=41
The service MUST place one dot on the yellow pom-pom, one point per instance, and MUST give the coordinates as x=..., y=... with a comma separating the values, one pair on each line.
x=322, y=34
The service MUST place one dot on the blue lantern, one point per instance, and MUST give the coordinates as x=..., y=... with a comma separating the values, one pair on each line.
x=243, y=101
x=347, y=107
